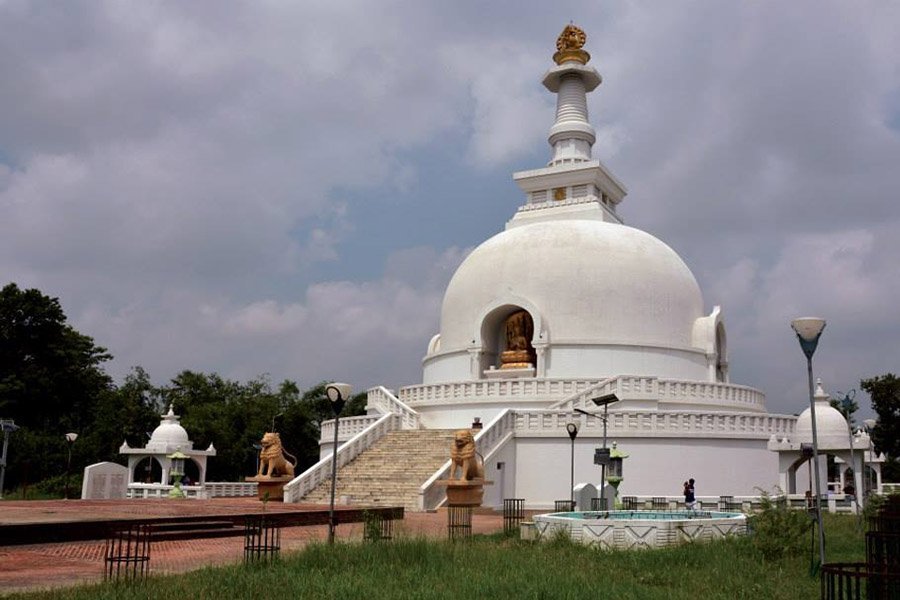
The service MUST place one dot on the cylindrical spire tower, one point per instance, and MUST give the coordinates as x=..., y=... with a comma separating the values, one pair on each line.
x=571, y=135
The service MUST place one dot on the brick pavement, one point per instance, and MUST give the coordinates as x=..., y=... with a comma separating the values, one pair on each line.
x=66, y=564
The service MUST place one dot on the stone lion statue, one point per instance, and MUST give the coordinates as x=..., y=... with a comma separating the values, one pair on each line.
x=464, y=456
x=273, y=459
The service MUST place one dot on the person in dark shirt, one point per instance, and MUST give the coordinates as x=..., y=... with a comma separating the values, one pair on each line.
x=689, y=497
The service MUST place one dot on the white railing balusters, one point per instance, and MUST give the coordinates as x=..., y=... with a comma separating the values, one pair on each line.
x=382, y=400
x=307, y=481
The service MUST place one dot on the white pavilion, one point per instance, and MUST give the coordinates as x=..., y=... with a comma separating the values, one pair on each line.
x=149, y=467
x=565, y=305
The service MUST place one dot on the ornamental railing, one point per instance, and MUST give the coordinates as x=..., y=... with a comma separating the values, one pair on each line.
x=577, y=393
x=349, y=426
x=307, y=481
x=652, y=423
x=383, y=401
x=487, y=441
x=524, y=390
x=633, y=387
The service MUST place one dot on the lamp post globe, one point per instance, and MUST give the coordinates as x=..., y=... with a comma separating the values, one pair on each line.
x=809, y=330
x=337, y=393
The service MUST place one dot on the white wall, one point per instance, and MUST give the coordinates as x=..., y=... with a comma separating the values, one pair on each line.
x=655, y=467
x=500, y=468
x=586, y=361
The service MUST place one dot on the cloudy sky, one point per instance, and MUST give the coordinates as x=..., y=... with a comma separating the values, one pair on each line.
x=286, y=187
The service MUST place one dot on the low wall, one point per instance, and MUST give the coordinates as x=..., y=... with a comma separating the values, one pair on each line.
x=230, y=489
x=631, y=532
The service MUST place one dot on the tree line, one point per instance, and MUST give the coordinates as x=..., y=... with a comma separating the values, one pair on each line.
x=52, y=382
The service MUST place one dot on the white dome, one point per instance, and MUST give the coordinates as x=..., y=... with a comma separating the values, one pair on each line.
x=169, y=435
x=590, y=282
x=831, y=426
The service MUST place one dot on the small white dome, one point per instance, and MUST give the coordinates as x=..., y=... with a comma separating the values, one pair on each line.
x=169, y=435
x=831, y=426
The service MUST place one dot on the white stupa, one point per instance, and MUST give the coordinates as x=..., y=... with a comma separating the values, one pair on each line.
x=835, y=437
x=568, y=304
x=168, y=438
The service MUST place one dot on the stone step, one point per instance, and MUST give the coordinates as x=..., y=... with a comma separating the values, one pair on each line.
x=392, y=471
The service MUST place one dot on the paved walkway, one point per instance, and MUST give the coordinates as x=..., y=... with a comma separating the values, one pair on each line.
x=65, y=564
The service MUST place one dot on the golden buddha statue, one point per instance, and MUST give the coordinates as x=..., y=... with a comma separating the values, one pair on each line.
x=519, y=353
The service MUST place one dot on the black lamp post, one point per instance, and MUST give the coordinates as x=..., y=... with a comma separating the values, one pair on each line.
x=572, y=428
x=70, y=440
x=337, y=393
x=809, y=330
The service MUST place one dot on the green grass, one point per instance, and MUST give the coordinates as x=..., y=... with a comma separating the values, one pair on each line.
x=498, y=567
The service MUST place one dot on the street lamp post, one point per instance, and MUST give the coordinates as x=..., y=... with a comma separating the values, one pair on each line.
x=604, y=401
x=70, y=440
x=8, y=426
x=601, y=457
x=337, y=393
x=809, y=330
x=572, y=429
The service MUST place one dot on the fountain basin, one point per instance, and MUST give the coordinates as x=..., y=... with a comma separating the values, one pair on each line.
x=636, y=529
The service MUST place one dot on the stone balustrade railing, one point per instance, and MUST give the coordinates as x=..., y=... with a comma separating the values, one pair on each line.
x=319, y=472
x=230, y=489
x=158, y=490
x=349, y=426
x=490, y=438
x=651, y=423
x=383, y=401
x=577, y=393
x=533, y=389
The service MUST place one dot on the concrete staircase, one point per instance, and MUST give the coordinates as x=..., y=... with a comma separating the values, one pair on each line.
x=391, y=472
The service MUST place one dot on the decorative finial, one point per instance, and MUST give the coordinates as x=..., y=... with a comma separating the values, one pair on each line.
x=569, y=46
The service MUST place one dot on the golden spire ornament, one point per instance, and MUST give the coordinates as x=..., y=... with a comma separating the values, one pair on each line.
x=569, y=46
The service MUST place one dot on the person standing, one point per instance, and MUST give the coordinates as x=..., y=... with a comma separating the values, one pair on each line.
x=690, y=499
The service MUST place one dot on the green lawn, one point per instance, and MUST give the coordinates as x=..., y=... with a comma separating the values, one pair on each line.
x=497, y=567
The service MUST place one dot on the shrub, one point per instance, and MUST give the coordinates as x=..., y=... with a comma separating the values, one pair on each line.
x=779, y=531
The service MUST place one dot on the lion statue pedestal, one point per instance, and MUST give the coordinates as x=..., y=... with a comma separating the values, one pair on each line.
x=275, y=468
x=468, y=490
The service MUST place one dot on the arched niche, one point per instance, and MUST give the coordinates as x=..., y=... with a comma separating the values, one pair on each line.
x=192, y=471
x=147, y=470
x=509, y=328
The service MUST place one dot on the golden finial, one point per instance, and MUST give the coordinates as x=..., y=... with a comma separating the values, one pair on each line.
x=569, y=46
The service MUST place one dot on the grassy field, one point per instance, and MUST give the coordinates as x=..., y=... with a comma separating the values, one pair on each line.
x=498, y=567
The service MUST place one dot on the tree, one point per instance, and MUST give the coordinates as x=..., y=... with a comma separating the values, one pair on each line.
x=125, y=414
x=50, y=374
x=846, y=405
x=884, y=390
x=50, y=381
x=233, y=416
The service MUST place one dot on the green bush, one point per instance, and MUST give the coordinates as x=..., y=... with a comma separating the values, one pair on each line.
x=55, y=487
x=779, y=531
